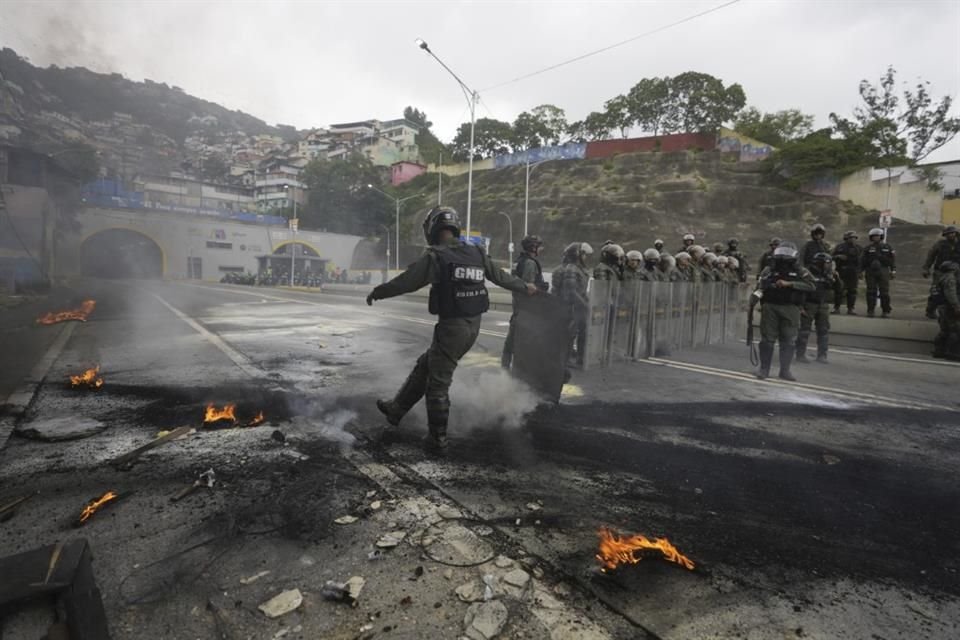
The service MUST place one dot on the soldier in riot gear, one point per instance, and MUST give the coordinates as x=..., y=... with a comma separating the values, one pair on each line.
x=688, y=241
x=528, y=269
x=684, y=266
x=733, y=265
x=570, y=285
x=782, y=287
x=878, y=262
x=846, y=260
x=766, y=259
x=667, y=266
x=947, y=249
x=456, y=272
x=658, y=245
x=708, y=267
x=733, y=251
x=816, y=244
x=633, y=269
x=611, y=263
x=816, y=309
x=651, y=258
x=947, y=342
x=718, y=249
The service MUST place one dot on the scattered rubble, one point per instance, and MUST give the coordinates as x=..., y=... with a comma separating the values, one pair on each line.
x=485, y=620
x=517, y=578
x=392, y=539
x=346, y=520
x=348, y=591
x=503, y=562
x=61, y=428
x=470, y=592
x=254, y=577
x=282, y=603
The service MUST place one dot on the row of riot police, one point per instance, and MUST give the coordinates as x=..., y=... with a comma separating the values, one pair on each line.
x=943, y=263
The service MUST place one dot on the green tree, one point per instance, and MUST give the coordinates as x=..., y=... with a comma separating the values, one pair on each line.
x=900, y=132
x=647, y=102
x=491, y=137
x=618, y=114
x=818, y=154
x=700, y=102
x=339, y=200
x=596, y=126
x=543, y=125
x=80, y=159
x=773, y=128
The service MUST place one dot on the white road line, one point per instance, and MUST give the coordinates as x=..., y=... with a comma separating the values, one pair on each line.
x=18, y=401
x=884, y=356
x=746, y=377
x=242, y=361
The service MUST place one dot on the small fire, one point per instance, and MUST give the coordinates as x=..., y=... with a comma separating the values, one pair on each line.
x=95, y=505
x=80, y=313
x=616, y=550
x=89, y=378
x=257, y=419
x=213, y=414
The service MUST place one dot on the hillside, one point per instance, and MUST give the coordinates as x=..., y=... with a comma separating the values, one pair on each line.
x=636, y=198
x=46, y=108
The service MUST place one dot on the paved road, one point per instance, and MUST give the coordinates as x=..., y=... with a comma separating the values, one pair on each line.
x=825, y=509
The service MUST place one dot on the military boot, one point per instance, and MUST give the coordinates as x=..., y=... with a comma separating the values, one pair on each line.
x=802, y=352
x=851, y=312
x=766, y=359
x=409, y=394
x=836, y=309
x=822, y=343
x=391, y=412
x=786, y=357
x=438, y=413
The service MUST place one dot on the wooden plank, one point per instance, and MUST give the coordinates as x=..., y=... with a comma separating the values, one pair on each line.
x=130, y=456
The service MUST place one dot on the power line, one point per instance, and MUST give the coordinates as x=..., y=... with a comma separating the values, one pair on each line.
x=612, y=46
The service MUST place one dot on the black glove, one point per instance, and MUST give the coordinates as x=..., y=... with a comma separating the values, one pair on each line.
x=370, y=299
x=926, y=273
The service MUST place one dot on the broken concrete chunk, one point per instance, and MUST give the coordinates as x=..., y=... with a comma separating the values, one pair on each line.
x=61, y=428
x=354, y=587
x=282, y=603
x=392, y=539
x=484, y=620
x=448, y=513
x=503, y=562
x=517, y=578
x=376, y=504
x=470, y=592
x=533, y=506
x=346, y=520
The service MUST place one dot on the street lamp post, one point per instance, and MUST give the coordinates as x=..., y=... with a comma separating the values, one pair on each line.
x=398, y=202
x=472, y=98
x=509, y=246
x=386, y=239
x=293, y=232
x=526, y=193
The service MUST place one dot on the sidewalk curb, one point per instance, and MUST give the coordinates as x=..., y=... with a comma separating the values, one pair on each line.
x=19, y=401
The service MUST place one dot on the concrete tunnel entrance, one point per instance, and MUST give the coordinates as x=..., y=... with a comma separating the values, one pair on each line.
x=121, y=253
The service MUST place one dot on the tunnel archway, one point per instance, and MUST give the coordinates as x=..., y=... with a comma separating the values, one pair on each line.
x=121, y=253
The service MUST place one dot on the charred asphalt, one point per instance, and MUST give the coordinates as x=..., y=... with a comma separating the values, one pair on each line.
x=825, y=510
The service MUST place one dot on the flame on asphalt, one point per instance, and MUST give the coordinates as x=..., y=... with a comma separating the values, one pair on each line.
x=80, y=314
x=89, y=378
x=94, y=505
x=214, y=415
x=616, y=550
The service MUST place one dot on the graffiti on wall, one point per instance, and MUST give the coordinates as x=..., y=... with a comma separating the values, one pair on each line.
x=570, y=151
x=746, y=148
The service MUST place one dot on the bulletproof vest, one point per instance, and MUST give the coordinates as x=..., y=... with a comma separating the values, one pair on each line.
x=787, y=295
x=877, y=256
x=604, y=271
x=540, y=283
x=852, y=263
x=459, y=290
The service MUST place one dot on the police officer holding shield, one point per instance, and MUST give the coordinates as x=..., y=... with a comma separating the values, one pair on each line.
x=527, y=269
x=456, y=272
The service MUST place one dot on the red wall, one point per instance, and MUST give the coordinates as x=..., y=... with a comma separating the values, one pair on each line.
x=668, y=143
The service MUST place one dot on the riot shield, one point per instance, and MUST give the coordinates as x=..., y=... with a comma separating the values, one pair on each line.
x=541, y=342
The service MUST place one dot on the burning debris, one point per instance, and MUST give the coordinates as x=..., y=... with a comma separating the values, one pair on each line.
x=616, y=550
x=95, y=505
x=206, y=480
x=90, y=379
x=80, y=314
x=213, y=415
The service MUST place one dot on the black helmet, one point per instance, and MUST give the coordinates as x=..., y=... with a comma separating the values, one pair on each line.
x=529, y=243
x=440, y=218
x=775, y=242
x=951, y=228
x=818, y=228
x=733, y=243
x=822, y=257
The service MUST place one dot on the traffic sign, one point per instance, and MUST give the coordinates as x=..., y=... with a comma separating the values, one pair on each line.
x=294, y=223
x=886, y=218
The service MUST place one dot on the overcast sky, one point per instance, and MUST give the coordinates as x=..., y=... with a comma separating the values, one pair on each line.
x=315, y=63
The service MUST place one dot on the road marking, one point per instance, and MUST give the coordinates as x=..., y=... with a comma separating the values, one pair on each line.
x=18, y=401
x=242, y=361
x=884, y=356
x=747, y=377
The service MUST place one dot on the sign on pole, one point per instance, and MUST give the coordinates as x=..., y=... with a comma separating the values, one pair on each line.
x=886, y=218
x=294, y=223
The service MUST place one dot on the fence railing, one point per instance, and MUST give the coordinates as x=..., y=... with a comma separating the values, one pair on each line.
x=639, y=319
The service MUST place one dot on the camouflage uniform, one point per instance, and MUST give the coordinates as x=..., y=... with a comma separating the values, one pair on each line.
x=570, y=285
x=846, y=259
x=742, y=266
x=942, y=251
x=527, y=269
x=816, y=310
x=878, y=262
x=780, y=314
x=453, y=335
